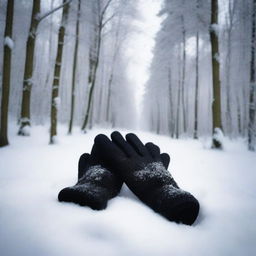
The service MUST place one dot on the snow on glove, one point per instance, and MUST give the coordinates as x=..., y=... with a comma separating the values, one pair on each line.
x=95, y=186
x=141, y=169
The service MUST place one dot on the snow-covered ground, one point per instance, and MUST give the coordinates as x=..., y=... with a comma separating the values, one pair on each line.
x=33, y=222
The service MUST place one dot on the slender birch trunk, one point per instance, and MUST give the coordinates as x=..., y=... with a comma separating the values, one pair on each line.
x=94, y=62
x=74, y=69
x=251, y=125
x=28, y=72
x=92, y=80
x=184, y=57
x=6, y=74
x=171, y=117
x=178, y=104
x=216, y=105
x=57, y=71
x=196, y=89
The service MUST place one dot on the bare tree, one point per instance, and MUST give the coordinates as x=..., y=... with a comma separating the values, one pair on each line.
x=195, y=135
x=74, y=69
x=171, y=115
x=6, y=74
x=216, y=104
x=184, y=58
x=117, y=45
x=196, y=85
x=28, y=72
x=178, y=101
x=36, y=18
x=251, y=125
x=101, y=21
x=57, y=69
x=230, y=25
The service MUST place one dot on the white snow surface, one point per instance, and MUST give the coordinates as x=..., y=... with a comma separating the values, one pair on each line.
x=26, y=130
x=33, y=222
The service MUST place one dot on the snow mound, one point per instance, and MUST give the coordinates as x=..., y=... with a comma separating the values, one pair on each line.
x=33, y=222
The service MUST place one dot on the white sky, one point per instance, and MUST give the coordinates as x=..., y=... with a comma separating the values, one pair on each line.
x=141, y=46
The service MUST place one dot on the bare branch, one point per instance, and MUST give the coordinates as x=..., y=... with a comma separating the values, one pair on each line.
x=53, y=10
x=104, y=10
x=108, y=19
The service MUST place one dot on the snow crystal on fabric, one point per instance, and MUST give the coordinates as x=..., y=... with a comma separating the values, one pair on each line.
x=170, y=191
x=90, y=190
x=154, y=170
x=95, y=173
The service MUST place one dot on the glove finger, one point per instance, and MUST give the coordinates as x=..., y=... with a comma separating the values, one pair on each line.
x=165, y=158
x=136, y=143
x=154, y=151
x=106, y=151
x=118, y=139
x=83, y=164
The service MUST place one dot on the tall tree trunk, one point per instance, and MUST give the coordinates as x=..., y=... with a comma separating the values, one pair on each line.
x=158, y=119
x=228, y=66
x=196, y=89
x=216, y=105
x=111, y=77
x=251, y=125
x=100, y=12
x=178, y=115
x=44, y=103
x=57, y=69
x=92, y=79
x=228, y=113
x=177, y=128
x=183, y=77
x=109, y=95
x=178, y=103
x=6, y=74
x=28, y=72
x=239, y=121
x=74, y=69
x=101, y=96
x=171, y=117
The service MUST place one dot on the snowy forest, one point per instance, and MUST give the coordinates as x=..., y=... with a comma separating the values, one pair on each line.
x=178, y=73
x=204, y=62
x=73, y=68
x=70, y=64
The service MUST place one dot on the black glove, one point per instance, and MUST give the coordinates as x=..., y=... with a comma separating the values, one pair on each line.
x=140, y=167
x=95, y=186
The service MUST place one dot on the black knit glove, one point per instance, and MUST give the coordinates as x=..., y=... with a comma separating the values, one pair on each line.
x=141, y=168
x=95, y=186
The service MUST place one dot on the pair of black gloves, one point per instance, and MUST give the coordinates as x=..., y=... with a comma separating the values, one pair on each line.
x=143, y=169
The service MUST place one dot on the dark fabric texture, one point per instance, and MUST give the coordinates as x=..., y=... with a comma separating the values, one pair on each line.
x=96, y=184
x=141, y=168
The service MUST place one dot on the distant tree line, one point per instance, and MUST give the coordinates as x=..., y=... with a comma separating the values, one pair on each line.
x=202, y=77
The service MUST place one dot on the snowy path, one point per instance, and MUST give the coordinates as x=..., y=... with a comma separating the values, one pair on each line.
x=33, y=222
